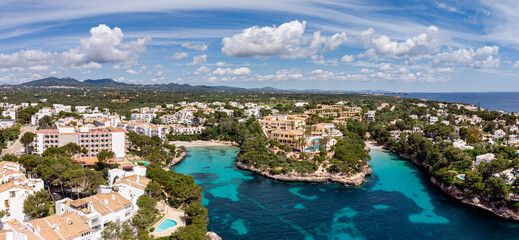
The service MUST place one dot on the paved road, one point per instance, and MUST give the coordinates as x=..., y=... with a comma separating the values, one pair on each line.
x=17, y=146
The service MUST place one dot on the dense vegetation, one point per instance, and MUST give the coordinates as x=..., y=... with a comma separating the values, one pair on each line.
x=432, y=150
x=153, y=149
x=180, y=191
x=146, y=97
x=61, y=174
x=38, y=205
x=349, y=154
x=9, y=134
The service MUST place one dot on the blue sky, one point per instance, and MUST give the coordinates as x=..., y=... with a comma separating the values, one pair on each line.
x=414, y=45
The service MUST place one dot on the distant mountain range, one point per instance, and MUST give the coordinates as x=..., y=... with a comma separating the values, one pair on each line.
x=110, y=83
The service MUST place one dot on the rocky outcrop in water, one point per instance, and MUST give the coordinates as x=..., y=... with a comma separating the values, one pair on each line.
x=341, y=178
x=213, y=236
x=176, y=160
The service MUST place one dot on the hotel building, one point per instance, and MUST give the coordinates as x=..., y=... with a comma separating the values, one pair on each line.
x=93, y=139
x=282, y=122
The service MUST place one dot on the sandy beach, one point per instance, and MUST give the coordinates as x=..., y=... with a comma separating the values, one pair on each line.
x=373, y=145
x=201, y=143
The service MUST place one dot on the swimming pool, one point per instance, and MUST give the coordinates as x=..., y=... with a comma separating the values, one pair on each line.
x=164, y=225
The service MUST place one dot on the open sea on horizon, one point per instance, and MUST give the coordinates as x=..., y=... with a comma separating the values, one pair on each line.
x=495, y=101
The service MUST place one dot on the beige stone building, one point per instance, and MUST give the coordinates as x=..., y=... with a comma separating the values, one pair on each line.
x=282, y=122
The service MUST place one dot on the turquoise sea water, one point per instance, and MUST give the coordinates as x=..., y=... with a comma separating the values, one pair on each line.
x=397, y=202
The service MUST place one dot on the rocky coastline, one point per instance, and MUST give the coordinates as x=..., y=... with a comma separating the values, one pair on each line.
x=176, y=160
x=213, y=236
x=200, y=143
x=353, y=180
x=454, y=192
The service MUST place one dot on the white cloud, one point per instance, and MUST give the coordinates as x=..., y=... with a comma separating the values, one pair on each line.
x=105, y=45
x=88, y=65
x=197, y=60
x=131, y=71
x=400, y=74
x=17, y=69
x=287, y=41
x=322, y=75
x=386, y=67
x=447, y=7
x=335, y=41
x=366, y=70
x=347, y=59
x=424, y=43
x=365, y=35
x=39, y=68
x=202, y=69
x=195, y=46
x=319, y=60
x=229, y=71
x=281, y=75
x=27, y=58
x=480, y=58
x=158, y=66
x=179, y=55
x=220, y=64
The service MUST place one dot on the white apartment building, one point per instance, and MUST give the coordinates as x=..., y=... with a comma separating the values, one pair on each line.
x=107, y=121
x=489, y=157
x=10, y=171
x=181, y=130
x=68, y=226
x=93, y=139
x=101, y=122
x=251, y=105
x=499, y=134
x=461, y=145
x=433, y=120
x=229, y=112
x=144, y=116
x=131, y=188
x=13, y=195
x=252, y=112
x=6, y=123
x=183, y=115
x=97, y=210
x=60, y=107
x=369, y=116
x=40, y=114
x=382, y=106
x=10, y=113
x=147, y=129
x=82, y=109
x=125, y=170
x=15, y=188
x=168, y=119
